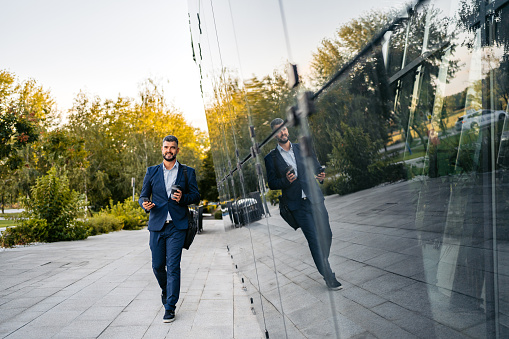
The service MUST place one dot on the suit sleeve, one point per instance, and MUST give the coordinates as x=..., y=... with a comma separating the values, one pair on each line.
x=146, y=190
x=193, y=195
x=275, y=183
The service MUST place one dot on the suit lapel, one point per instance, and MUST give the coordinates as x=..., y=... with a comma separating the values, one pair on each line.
x=296, y=153
x=281, y=163
x=180, y=174
x=160, y=178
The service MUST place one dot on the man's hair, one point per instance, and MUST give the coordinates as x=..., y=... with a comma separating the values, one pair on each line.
x=276, y=122
x=171, y=138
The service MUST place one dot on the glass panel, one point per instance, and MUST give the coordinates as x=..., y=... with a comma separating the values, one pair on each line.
x=413, y=131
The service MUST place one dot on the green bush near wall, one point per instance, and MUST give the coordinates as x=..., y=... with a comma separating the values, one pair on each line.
x=103, y=223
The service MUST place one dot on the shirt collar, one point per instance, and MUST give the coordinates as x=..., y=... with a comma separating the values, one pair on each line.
x=281, y=149
x=175, y=167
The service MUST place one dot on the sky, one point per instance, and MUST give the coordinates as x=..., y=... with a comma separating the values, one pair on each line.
x=104, y=48
x=109, y=47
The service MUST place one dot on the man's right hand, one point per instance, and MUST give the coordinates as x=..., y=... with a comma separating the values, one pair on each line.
x=291, y=177
x=148, y=205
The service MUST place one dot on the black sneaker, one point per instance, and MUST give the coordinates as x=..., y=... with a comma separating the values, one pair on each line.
x=169, y=316
x=333, y=284
x=163, y=298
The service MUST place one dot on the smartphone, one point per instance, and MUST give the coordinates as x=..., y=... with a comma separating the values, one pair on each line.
x=290, y=169
x=145, y=199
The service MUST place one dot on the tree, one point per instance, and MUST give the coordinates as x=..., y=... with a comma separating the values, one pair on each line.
x=230, y=115
x=207, y=184
x=18, y=119
x=24, y=108
x=110, y=142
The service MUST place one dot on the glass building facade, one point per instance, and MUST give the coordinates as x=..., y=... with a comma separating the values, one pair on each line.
x=406, y=107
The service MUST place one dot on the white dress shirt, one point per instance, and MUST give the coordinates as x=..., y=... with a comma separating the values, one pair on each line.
x=170, y=176
x=289, y=158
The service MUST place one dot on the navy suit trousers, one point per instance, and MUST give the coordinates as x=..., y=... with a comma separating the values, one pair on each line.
x=319, y=239
x=166, y=246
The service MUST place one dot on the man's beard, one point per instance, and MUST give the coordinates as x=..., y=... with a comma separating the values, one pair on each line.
x=283, y=139
x=169, y=158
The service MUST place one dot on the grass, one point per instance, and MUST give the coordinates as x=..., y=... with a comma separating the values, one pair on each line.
x=5, y=223
x=9, y=221
x=9, y=215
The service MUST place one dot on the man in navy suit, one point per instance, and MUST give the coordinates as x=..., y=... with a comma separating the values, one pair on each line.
x=168, y=220
x=297, y=193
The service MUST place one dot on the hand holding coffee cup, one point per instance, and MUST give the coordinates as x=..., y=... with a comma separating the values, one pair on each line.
x=176, y=193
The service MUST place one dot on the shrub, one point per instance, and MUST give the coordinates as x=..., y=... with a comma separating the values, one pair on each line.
x=218, y=214
x=31, y=230
x=328, y=187
x=358, y=160
x=273, y=196
x=129, y=213
x=103, y=223
x=50, y=214
x=210, y=208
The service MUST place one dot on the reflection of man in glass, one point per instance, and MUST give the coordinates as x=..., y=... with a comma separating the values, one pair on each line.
x=296, y=193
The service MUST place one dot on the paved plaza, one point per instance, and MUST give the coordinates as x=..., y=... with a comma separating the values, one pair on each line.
x=103, y=287
x=403, y=277
x=410, y=264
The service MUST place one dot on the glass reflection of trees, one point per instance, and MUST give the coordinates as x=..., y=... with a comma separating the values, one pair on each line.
x=399, y=115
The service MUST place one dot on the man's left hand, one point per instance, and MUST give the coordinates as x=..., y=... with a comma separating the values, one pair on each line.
x=321, y=177
x=177, y=196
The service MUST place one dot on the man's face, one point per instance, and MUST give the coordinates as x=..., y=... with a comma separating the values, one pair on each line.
x=170, y=150
x=282, y=136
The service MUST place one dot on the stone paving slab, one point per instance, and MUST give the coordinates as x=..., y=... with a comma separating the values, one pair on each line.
x=103, y=287
x=403, y=275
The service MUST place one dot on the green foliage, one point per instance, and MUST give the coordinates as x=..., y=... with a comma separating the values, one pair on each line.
x=207, y=184
x=129, y=213
x=24, y=110
x=22, y=105
x=358, y=160
x=218, y=214
x=59, y=206
x=348, y=41
x=210, y=208
x=103, y=222
x=272, y=196
x=328, y=186
x=31, y=230
x=111, y=143
x=268, y=97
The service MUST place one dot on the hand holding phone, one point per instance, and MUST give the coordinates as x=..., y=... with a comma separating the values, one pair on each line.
x=147, y=204
x=321, y=174
x=290, y=173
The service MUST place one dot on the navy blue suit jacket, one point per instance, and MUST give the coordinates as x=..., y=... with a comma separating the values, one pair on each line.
x=292, y=192
x=153, y=186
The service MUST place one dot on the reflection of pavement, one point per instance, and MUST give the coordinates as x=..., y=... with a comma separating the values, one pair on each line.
x=103, y=287
x=413, y=265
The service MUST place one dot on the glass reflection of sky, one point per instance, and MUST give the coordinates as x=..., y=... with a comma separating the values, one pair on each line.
x=239, y=31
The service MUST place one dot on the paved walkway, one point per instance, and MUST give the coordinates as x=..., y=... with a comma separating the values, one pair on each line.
x=405, y=273
x=103, y=287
